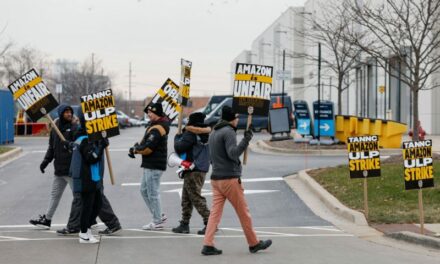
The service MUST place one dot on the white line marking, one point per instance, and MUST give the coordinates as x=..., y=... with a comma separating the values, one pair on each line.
x=26, y=226
x=111, y=150
x=13, y=238
x=173, y=237
x=269, y=179
x=320, y=228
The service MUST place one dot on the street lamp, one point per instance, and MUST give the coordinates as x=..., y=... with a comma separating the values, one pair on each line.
x=284, y=67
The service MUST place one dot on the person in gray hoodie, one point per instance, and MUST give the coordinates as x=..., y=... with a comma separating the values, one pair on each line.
x=226, y=182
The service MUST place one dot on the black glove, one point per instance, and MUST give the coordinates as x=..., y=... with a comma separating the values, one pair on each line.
x=68, y=145
x=248, y=134
x=131, y=153
x=43, y=165
x=103, y=143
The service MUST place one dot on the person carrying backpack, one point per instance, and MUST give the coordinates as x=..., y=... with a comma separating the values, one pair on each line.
x=192, y=144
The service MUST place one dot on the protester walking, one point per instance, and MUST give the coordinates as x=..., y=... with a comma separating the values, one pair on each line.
x=153, y=149
x=193, y=145
x=87, y=169
x=226, y=181
x=67, y=123
x=106, y=214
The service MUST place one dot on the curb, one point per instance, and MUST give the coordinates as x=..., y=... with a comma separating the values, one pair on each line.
x=328, y=152
x=416, y=239
x=331, y=202
x=11, y=154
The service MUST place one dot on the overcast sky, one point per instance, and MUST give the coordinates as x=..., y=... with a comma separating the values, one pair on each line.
x=152, y=34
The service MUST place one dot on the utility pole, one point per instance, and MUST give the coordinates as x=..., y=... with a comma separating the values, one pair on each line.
x=284, y=68
x=92, y=79
x=129, y=85
x=319, y=90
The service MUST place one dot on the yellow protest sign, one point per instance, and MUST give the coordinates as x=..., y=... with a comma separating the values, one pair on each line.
x=363, y=156
x=100, y=115
x=168, y=95
x=252, y=87
x=418, y=164
x=33, y=95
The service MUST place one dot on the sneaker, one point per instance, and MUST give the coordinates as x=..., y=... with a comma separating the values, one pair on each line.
x=67, y=231
x=153, y=226
x=262, y=245
x=110, y=231
x=202, y=231
x=42, y=222
x=183, y=228
x=209, y=251
x=87, y=238
x=163, y=218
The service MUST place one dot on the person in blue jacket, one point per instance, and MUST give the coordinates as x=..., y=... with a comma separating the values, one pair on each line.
x=87, y=169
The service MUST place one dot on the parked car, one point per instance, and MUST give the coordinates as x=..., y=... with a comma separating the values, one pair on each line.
x=213, y=102
x=134, y=122
x=144, y=121
x=258, y=122
x=123, y=119
x=54, y=112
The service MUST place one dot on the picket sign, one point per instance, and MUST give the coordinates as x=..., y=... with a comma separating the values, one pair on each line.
x=184, y=89
x=364, y=161
x=418, y=171
x=101, y=120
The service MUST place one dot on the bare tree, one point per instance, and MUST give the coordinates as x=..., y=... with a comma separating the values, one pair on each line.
x=329, y=29
x=14, y=63
x=80, y=79
x=407, y=30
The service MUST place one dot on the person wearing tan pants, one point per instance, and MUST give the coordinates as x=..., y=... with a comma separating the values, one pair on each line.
x=226, y=183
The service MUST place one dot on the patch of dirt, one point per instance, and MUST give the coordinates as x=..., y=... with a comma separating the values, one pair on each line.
x=392, y=228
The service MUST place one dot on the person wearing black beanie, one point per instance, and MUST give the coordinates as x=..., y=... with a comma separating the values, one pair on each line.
x=226, y=182
x=154, y=150
x=192, y=144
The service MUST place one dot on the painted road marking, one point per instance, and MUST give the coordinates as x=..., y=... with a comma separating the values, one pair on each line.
x=269, y=179
x=209, y=192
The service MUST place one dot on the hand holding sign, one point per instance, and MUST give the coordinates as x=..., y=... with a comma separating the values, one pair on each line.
x=248, y=129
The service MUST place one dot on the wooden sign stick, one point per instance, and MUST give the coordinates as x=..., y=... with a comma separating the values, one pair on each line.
x=366, y=194
x=54, y=126
x=179, y=124
x=109, y=161
x=249, y=122
x=422, y=212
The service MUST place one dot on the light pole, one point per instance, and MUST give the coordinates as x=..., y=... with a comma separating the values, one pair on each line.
x=319, y=90
x=284, y=68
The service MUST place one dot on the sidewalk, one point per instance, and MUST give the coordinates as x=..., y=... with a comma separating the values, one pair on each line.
x=290, y=147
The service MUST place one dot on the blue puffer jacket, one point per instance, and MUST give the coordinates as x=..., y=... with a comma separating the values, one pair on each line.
x=87, y=166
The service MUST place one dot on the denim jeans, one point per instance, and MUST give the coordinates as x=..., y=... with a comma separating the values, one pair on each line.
x=150, y=185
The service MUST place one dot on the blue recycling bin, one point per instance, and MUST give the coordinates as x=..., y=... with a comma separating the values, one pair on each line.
x=324, y=119
x=6, y=117
x=302, y=117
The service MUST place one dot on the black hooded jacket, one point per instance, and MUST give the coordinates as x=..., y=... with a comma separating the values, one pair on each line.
x=154, y=145
x=56, y=151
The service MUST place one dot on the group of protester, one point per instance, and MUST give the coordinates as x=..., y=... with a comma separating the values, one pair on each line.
x=80, y=164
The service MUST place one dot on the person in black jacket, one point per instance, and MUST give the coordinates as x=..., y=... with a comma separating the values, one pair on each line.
x=195, y=132
x=87, y=170
x=153, y=149
x=67, y=123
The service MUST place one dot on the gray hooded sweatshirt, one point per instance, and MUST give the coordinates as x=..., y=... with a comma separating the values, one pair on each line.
x=225, y=153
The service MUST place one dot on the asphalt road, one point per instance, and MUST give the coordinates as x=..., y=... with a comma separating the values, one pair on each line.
x=298, y=234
